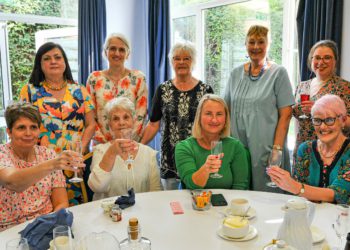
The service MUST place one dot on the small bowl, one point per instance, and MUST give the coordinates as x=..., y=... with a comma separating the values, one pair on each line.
x=235, y=227
x=201, y=199
x=107, y=205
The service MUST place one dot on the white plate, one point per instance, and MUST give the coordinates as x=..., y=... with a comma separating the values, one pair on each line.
x=252, y=233
x=250, y=215
x=274, y=247
x=317, y=235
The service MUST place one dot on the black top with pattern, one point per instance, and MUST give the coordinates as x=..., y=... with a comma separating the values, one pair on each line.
x=176, y=109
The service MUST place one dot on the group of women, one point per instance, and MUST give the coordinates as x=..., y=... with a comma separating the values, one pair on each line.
x=250, y=121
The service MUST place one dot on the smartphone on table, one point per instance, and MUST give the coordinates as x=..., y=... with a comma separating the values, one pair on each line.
x=218, y=200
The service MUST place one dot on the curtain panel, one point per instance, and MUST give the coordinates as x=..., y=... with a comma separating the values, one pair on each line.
x=317, y=20
x=92, y=34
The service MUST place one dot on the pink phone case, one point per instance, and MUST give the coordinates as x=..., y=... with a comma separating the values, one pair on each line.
x=176, y=207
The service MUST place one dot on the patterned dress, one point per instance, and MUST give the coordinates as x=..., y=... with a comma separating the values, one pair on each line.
x=63, y=122
x=309, y=169
x=102, y=89
x=176, y=109
x=35, y=200
x=336, y=86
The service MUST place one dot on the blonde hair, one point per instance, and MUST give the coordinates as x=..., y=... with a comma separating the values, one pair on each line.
x=120, y=102
x=259, y=31
x=197, y=127
x=329, y=103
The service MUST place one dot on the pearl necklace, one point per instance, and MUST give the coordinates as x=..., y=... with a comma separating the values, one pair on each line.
x=48, y=85
x=262, y=70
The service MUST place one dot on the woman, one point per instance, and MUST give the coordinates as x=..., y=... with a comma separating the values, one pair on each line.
x=31, y=180
x=321, y=164
x=194, y=160
x=116, y=81
x=322, y=61
x=174, y=105
x=66, y=108
x=111, y=173
x=259, y=96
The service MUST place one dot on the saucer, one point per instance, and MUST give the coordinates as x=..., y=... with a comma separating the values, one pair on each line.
x=253, y=232
x=274, y=247
x=250, y=215
x=317, y=235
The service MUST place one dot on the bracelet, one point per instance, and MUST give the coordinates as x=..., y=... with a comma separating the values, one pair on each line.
x=277, y=147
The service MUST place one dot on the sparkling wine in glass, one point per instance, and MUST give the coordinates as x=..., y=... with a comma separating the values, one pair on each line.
x=275, y=159
x=77, y=147
x=341, y=224
x=127, y=134
x=216, y=149
x=62, y=238
x=303, y=98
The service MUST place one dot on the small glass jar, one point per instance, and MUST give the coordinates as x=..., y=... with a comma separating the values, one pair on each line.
x=116, y=213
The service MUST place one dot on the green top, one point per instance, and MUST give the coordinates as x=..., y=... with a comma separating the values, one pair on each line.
x=190, y=156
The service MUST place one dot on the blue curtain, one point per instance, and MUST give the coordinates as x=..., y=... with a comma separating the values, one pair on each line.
x=92, y=33
x=317, y=20
x=158, y=38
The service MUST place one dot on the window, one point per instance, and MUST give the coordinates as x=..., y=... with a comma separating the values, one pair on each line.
x=218, y=29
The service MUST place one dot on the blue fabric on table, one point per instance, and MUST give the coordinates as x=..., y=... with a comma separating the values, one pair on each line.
x=39, y=232
x=126, y=201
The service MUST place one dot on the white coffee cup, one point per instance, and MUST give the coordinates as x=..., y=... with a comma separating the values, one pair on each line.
x=239, y=206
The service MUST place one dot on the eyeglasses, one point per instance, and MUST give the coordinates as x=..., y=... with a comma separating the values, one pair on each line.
x=329, y=121
x=326, y=58
x=179, y=59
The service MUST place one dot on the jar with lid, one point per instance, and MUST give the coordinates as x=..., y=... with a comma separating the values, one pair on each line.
x=135, y=241
x=116, y=213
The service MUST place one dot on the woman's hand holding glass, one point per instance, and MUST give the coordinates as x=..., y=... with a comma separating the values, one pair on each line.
x=275, y=159
x=305, y=105
x=68, y=160
x=213, y=162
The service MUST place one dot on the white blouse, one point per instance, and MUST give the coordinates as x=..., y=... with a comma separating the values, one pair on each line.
x=143, y=176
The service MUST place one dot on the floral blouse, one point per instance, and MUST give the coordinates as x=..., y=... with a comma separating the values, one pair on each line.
x=309, y=169
x=34, y=201
x=63, y=122
x=103, y=89
x=176, y=109
x=336, y=86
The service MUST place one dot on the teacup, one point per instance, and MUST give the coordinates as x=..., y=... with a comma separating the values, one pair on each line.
x=107, y=205
x=235, y=227
x=239, y=206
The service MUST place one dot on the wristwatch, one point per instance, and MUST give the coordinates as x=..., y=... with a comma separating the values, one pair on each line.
x=302, y=189
x=277, y=147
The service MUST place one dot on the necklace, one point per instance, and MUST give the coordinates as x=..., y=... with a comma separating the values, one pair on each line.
x=53, y=87
x=116, y=79
x=329, y=156
x=262, y=70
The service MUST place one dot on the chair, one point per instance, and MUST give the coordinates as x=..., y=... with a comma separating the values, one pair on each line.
x=88, y=193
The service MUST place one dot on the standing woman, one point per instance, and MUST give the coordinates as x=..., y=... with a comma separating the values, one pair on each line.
x=174, y=106
x=260, y=96
x=66, y=108
x=322, y=61
x=116, y=81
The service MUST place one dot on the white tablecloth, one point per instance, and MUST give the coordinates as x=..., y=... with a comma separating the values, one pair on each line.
x=195, y=230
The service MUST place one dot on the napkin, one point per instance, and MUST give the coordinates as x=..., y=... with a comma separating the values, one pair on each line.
x=39, y=232
x=126, y=201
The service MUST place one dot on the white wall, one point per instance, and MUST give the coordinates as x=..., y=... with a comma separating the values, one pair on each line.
x=345, y=50
x=131, y=14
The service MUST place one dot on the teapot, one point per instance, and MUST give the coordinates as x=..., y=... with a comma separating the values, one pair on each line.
x=295, y=228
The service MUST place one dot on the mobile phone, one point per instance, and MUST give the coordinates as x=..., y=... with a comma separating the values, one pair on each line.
x=218, y=200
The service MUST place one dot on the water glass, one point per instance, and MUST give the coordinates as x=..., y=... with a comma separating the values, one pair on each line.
x=216, y=149
x=341, y=224
x=17, y=244
x=62, y=238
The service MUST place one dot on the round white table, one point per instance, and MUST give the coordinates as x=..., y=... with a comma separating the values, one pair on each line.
x=193, y=229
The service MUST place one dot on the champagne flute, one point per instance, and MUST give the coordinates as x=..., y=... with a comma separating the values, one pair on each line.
x=62, y=238
x=17, y=244
x=127, y=134
x=77, y=147
x=275, y=159
x=216, y=149
x=341, y=225
x=303, y=98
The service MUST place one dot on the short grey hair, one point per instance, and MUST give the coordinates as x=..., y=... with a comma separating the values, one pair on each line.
x=119, y=36
x=323, y=43
x=197, y=127
x=184, y=46
x=329, y=103
x=120, y=102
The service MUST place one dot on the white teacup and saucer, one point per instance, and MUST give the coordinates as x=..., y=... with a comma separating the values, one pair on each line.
x=236, y=228
x=240, y=207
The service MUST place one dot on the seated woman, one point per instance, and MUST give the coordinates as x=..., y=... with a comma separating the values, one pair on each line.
x=111, y=174
x=31, y=180
x=321, y=164
x=194, y=161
